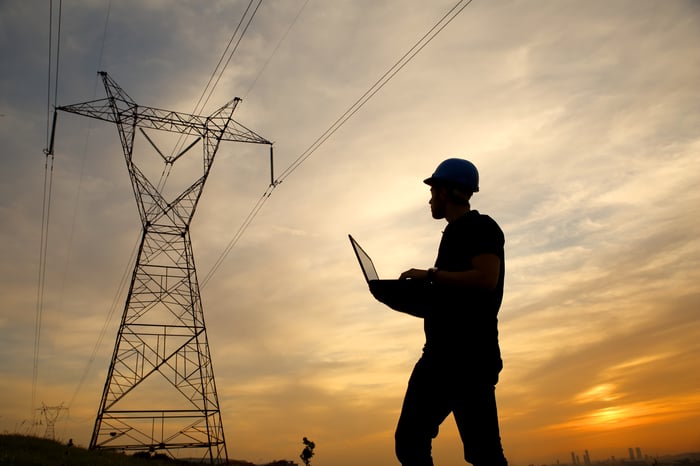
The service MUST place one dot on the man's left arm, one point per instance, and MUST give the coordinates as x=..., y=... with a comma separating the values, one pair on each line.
x=484, y=274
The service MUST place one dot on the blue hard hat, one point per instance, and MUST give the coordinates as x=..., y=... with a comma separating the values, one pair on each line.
x=456, y=172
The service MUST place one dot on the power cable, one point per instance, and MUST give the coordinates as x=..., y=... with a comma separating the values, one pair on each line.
x=120, y=288
x=232, y=52
x=218, y=69
x=48, y=183
x=46, y=199
x=241, y=229
x=41, y=284
x=221, y=59
x=377, y=86
x=58, y=53
x=282, y=39
x=354, y=108
x=48, y=80
x=128, y=268
x=259, y=204
x=83, y=161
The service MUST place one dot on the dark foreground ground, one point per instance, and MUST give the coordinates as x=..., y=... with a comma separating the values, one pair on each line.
x=21, y=450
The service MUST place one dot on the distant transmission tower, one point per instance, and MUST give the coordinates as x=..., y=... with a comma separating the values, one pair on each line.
x=160, y=392
x=50, y=415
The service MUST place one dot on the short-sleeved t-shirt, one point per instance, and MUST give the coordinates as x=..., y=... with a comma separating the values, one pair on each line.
x=463, y=322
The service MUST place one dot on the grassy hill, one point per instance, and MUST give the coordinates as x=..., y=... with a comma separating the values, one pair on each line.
x=21, y=450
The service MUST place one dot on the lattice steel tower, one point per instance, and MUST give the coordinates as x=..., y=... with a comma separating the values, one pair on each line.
x=161, y=345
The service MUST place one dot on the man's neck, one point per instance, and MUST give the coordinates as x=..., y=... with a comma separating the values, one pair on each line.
x=455, y=211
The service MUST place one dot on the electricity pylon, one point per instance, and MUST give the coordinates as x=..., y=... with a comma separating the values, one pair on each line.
x=160, y=392
x=50, y=415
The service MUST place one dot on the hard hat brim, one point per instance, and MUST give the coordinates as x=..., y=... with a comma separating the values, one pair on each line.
x=432, y=181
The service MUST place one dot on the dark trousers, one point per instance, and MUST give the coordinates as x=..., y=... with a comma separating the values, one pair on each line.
x=434, y=391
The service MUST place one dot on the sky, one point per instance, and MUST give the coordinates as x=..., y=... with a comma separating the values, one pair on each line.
x=582, y=118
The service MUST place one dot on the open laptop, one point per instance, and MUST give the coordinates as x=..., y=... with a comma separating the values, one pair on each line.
x=409, y=296
x=365, y=261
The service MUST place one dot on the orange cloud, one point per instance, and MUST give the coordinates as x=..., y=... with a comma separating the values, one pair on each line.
x=621, y=416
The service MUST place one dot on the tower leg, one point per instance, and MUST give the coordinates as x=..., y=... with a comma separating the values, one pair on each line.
x=160, y=393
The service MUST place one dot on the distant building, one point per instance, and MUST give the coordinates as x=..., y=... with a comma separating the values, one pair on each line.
x=631, y=451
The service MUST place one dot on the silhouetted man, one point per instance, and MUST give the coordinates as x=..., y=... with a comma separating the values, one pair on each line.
x=458, y=370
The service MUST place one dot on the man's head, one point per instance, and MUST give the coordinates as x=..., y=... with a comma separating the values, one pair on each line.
x=454, y=181
x=456, y=173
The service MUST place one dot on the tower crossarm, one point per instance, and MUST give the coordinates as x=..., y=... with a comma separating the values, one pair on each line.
x=99, y=109
x=167, y=120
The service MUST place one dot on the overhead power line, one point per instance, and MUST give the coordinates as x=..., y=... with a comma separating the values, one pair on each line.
x=115, y=302
x=377, y=86
x=51, y=91
x=53, y=72
x=274, y=51
x=219, y=69
x=214, y=80
x=354, y=108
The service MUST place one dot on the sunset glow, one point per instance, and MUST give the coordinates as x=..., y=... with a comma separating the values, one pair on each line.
x=582, y=118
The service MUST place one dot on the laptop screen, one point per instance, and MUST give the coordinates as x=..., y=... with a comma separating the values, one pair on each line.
x=365, y=261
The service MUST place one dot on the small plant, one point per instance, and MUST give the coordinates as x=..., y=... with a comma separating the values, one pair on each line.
x=308, y=451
